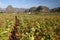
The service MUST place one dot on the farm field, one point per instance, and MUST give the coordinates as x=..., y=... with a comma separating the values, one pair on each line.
x=31, y=27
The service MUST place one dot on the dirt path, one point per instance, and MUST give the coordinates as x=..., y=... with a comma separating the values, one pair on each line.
x=15, y=33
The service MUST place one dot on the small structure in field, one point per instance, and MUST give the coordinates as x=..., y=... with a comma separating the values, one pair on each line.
x=14, y=13
x=29, y=13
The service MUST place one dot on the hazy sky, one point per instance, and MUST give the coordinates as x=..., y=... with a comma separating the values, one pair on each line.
x=29, y=3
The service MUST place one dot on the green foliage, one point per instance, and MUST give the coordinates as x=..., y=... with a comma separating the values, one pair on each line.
x=31, y=27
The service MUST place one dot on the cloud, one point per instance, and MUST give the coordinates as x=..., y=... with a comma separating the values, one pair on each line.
x=1, y=3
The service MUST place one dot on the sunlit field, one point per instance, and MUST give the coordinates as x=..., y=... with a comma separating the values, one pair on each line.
x=31, y=27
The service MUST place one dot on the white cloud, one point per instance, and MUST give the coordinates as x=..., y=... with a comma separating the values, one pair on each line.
x=1, y=3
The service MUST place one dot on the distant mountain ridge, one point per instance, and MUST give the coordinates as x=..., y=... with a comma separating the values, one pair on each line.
x=11, y=9
x=55, y=9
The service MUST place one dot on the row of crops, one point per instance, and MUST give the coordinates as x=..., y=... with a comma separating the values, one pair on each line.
x=31, y=27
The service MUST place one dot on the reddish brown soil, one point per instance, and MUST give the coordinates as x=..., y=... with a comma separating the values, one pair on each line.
x=15, y=33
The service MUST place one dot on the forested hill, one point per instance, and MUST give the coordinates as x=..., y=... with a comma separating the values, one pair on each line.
x=11, y=9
